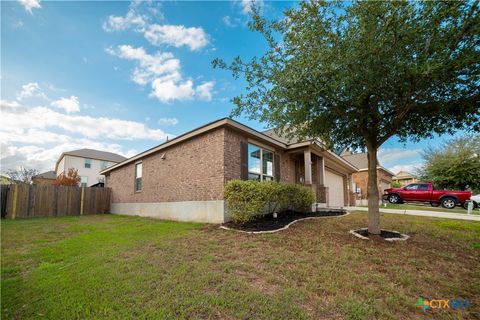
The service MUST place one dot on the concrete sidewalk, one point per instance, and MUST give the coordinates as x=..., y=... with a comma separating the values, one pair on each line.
x=424, y=213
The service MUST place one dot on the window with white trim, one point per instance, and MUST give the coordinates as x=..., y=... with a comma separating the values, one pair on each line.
x=103, y=165
x=83, y=181
x=88, y=163
x=260, y=163
x=138, y=177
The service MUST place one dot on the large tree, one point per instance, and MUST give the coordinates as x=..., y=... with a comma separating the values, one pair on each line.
x=454, y=165
x=356, y=74
x=71, y=179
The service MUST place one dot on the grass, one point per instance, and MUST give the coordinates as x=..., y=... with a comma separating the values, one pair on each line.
x=425, y=207
x=107, y=266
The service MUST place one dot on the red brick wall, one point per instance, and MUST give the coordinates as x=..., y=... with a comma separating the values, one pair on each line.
x=361, y=180
x=192, y=170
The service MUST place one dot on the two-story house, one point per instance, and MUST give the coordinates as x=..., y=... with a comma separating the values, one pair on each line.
x=88, y=163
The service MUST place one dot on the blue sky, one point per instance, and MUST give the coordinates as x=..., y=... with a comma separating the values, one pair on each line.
x=122, y=76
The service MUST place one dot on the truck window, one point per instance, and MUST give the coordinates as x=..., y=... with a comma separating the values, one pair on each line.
x=411, y=187
x=423, y=187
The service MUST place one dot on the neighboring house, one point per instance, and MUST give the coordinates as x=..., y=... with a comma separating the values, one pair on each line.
x=184, y=178
x=45, y=178
x=88, y=162
x=404, y=178
x=5, y=180
x=360, y=178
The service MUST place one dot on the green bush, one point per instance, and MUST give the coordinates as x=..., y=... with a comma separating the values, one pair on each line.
x=247, y=200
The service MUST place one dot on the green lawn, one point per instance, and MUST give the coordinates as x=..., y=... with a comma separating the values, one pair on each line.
x=425, y=207
x=114, y=267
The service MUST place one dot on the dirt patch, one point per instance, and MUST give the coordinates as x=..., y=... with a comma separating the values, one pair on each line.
x=269, y=223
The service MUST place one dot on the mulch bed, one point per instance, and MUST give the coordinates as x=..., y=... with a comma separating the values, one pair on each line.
x=269, y=223
x=383, y=234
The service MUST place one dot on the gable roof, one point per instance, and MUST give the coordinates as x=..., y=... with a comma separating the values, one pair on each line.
x=404, y=175
x=284, y=139
x=95, y=154
x=360, y=160
x=273, y=139
x=47, y=175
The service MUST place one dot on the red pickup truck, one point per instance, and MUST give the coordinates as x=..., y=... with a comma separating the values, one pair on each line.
x=425, y=192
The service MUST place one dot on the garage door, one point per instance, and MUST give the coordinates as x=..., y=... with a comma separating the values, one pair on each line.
x=334, y=182
x=383, y=186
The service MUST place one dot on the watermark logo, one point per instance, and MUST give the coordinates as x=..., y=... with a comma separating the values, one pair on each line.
x=442, y=304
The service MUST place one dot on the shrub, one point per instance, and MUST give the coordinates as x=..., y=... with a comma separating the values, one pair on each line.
x=247, y=200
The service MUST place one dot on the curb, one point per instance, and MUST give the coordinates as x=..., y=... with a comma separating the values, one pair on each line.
x=282, y=228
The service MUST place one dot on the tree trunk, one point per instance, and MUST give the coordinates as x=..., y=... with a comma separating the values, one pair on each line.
x=372, y=192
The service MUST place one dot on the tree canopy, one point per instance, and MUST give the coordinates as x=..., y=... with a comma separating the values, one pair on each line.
x=454, y=165
x=356, y=74
x=71, y=179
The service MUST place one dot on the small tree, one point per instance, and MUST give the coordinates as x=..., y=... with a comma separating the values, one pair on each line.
x=356, y=74
x=396, y=184
x=22, y=175
x=71, y=179
x=454, y=165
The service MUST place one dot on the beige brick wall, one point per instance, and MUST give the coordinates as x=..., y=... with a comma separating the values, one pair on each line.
x=191, y=171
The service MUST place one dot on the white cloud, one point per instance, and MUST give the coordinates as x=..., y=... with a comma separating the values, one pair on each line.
x=389, y=156
x=149, y=66
x=246, y=5
x=163, y=71
x=168, y=121
x=34, y=137
x=176, y=35
x=232, y=22
x=17, y=118
x=30, y=4
x=68, y=104
x=167, y=90
x=204, y=90
x=31, y=89
x=131, y=20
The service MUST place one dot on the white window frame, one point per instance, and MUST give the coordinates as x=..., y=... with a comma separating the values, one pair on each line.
x=261, y=174
x=135, y=177
x=81, y=182
x=89, y=162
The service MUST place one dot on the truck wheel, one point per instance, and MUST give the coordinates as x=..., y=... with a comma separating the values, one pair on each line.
x=448, y=203
x=393, y=198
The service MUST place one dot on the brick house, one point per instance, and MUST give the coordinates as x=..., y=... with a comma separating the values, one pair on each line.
x=45, y=178
x=183, y=179
x=360, y=178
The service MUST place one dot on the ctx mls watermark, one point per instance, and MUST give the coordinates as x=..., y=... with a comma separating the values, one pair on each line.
x=443, y=304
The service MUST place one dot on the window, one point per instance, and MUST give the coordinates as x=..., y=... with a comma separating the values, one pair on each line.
x=84, y=182
x=411, y=187
x=260, y=163
x=103, y=165
x=138, y=177
x=88, y=163
x=423, y=187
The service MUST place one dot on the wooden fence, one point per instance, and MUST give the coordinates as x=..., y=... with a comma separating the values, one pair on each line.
x=26, y=201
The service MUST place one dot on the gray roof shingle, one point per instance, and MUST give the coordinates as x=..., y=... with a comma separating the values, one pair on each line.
x=47, y=175
x=96, y=154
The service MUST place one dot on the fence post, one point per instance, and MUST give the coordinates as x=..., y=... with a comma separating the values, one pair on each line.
x=14, y=203
x=82, y=200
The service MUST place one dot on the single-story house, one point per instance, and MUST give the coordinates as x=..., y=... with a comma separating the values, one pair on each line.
x=360, y=178
x=404, y=178
x=45, y=178
x=183, y=179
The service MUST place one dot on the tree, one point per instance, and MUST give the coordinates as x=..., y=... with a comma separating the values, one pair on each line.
x=70, y=179
x=454, y=165
x=22, y=175
x=356, y=74
x=396, y=184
